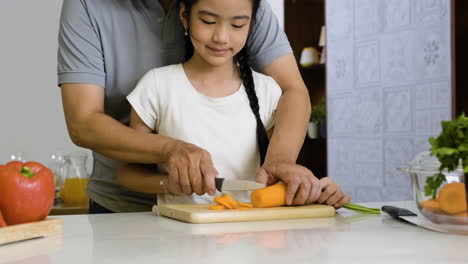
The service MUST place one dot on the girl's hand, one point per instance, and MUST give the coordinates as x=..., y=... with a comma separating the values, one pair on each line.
x=332, y=194
x=302, y=186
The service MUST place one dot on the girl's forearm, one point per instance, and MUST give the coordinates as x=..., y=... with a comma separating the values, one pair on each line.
x=290, y=127
x=140, y=178
x=292, y=113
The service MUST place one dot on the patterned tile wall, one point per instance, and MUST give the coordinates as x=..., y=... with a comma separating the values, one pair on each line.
x=388, y=88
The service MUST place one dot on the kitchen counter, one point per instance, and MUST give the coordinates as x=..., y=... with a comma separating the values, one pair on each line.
x=145, y=238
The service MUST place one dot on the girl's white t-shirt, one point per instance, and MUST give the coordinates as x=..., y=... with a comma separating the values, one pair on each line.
x=225, y=127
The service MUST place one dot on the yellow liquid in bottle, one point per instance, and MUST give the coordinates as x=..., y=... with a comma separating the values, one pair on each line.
x=74, y=191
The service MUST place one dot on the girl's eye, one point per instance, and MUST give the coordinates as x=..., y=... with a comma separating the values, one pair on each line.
x=238, y=26
x=207, y=22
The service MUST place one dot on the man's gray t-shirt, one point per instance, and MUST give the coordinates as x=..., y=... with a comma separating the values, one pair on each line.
x=113, y=43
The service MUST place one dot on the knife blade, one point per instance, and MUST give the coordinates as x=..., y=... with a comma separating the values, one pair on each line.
x=399, y=213
x=223, y=184
x=407, y=216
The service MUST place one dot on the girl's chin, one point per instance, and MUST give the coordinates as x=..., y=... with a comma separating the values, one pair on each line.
x=218, y=61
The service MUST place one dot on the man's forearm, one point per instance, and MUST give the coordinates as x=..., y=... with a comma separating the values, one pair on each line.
x=105, y=135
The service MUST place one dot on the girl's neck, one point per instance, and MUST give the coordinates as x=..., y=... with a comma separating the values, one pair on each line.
x=212, y=80
x=208, y=72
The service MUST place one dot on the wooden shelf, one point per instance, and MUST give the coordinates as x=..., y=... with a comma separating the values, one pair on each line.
x=313, y=156
x=314, y=67
x=303, y=22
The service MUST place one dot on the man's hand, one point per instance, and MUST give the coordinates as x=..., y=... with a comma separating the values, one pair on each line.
x=302, y=186
x=172, y=187
x=332, y=194
x=190, y=169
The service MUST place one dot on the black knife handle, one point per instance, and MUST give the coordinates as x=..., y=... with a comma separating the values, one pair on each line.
x=219, y=183
x=396, y=212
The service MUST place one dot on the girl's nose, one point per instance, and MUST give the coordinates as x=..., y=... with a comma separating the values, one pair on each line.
x=221, y=35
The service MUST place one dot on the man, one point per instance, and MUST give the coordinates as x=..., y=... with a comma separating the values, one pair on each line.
x=106, y=46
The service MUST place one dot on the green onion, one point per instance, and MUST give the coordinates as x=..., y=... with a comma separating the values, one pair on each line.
x=361, y=209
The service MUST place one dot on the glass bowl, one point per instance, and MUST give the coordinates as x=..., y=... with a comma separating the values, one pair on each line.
x=423, y=166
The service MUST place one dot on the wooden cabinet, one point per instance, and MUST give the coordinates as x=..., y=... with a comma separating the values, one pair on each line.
x=303, y=21
x=460, y=55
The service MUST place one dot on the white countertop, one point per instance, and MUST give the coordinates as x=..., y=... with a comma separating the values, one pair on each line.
x=145, y=238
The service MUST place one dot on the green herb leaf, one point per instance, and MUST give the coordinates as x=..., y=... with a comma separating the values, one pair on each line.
x=433, y=183
x=449, y=147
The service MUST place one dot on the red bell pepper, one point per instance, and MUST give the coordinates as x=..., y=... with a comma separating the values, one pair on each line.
x=2, y=221
x=27, y=192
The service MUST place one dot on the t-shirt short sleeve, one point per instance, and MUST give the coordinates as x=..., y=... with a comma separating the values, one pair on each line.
x=80, y=58
x=272, y=95
x=267, y=41
x=144, y=100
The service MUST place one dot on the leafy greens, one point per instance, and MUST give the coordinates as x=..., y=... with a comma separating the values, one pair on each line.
x=449, y=147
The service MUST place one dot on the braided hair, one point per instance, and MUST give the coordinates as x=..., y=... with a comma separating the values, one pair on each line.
x=247, y=79
x=242, y=60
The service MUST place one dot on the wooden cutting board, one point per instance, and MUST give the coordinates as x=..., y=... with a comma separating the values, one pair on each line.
x=199, y=213
x=15, y=233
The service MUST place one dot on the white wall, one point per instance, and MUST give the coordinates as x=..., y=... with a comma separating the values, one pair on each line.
x=278, y=9
x=31, y=115
x=388, y=88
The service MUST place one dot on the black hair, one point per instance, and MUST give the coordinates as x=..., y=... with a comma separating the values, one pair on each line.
x=242, y=60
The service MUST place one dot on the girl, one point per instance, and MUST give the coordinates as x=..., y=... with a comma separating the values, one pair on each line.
x=214, y=101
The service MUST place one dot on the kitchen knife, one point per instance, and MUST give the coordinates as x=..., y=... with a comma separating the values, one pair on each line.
x=398, y=213
x=236, y=185
x=407, y=216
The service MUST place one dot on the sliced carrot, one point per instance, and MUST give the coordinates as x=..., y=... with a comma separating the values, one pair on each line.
x=222, y=201
x=452, y=198
x=245, y=204
x=462, y=214
x=430, y=205
x=271, y=196
x=440, y=212
x=216, y=207
x=230, y=200
x=225, y=201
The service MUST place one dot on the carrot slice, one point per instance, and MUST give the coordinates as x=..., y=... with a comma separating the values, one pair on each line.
x=430, y=205
x=241, y=204
x=216, y=207
x=227, y=202
x=452, y=198
x=230, y=200
x=220, y=200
